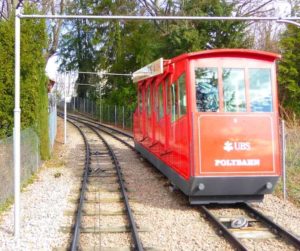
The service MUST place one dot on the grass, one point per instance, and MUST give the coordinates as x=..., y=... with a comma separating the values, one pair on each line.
x=9, y=202
x=292, y=165
x=6, y=205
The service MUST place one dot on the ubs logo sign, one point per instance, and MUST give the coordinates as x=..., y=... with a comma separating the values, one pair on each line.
x=236, y=146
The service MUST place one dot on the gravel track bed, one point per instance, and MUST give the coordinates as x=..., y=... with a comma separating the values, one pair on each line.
x=44, y=201
x=282, y=212
x=285, y=213
x=105, y=240
x=103, y=172
x=174, y=225
x=256, y=244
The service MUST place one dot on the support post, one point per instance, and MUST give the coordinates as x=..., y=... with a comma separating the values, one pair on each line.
x=100, y=102
x=65, y=114
x=17, y=128
x=115, y=115
x=123, y=118
x=283, y=159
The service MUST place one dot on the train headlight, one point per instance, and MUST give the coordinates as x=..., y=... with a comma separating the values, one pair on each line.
x=201, y=186
x=269, y=185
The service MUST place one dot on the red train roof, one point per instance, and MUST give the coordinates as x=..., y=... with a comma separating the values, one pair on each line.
x=245, y=53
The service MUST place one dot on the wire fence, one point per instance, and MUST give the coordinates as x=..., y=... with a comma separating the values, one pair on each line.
x=119, y=116
x=30, y=154
x=30, y=161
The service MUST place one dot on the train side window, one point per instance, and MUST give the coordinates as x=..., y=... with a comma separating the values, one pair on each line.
x=234, y=90
x=174, y=101
x=260, y=90
x=182, y=95
x=207, y=95
x=169, y=97
x=149, y=101
x=140, y=98
x=160, y=102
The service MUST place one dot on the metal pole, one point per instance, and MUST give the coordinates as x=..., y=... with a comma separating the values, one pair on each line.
x=92, y=109
x=123, y=118
x=201, y=18
x=100, y=102
x=115, y=115
x=65, y=114
x=17, y=128
x=283, y=159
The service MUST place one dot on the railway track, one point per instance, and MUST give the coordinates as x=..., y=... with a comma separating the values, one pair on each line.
x=241, y=224
x=100, y=182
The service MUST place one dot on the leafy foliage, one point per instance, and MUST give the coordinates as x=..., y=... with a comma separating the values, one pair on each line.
x=289, y=73
x=123, y=47
x=34, y=100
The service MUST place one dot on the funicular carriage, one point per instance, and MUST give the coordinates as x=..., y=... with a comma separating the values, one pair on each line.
x=209, y=121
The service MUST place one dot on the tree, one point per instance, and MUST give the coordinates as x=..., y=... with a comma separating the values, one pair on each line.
x=123, y=47
x=289, y=73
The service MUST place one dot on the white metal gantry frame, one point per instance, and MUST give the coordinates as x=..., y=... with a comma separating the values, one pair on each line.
x=17, y=110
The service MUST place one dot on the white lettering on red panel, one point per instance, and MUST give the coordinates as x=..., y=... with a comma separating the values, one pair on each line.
x=236, y=146
x=237, y=162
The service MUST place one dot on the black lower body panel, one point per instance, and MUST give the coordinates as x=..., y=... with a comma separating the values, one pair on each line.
x=205, y=190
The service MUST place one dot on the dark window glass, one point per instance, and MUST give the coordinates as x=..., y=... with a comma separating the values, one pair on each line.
x=149, y=101
x=182, y=95
x=160, y=102
x=260, y=90
x=234, y=90
x=207, y=96
x=174, y=103
x=140, y=101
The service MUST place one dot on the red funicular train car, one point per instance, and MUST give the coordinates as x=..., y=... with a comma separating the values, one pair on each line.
x=209, y=121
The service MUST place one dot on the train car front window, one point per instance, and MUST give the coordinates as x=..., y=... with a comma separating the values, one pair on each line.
x=234, y=90
x=260, y=90
x=207, y=96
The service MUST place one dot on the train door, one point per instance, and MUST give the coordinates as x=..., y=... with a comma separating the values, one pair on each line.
x=138, y=121
x=177, y=124
x=160, y=127
x=142, y=112
x=149, y=124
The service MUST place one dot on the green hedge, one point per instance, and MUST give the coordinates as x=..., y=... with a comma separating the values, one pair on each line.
x=34, y=100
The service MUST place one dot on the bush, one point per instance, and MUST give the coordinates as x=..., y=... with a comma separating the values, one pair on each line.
x=34, y=99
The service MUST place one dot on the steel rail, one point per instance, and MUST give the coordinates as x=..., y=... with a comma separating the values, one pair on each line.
x=233, y=240
x=277, y=229
x=76, y=232
x=98, y=125
x=227, y=234
x=137, y=242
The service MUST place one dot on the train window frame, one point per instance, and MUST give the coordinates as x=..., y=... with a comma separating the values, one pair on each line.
x=258, y=92
x=237, y=93
x=212, y=102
